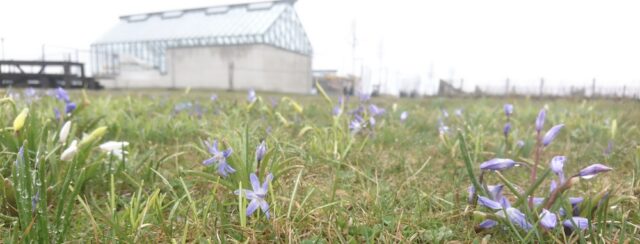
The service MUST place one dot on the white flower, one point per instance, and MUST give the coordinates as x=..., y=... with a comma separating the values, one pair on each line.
x=113, y=146
x=64, y=132
x=71, y=151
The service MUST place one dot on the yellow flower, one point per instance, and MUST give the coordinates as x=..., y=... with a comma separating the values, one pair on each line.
x=18, y=123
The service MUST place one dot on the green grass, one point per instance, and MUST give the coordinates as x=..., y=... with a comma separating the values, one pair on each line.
x=397, y=182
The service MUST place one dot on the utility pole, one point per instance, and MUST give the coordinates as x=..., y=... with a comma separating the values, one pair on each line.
x=593, y=88
x=42, y=52
x=541, y=86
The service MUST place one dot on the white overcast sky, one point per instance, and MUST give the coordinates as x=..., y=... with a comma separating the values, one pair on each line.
x=484, y=42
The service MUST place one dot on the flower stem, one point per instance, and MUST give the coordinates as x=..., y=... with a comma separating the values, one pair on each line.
x=534, y=169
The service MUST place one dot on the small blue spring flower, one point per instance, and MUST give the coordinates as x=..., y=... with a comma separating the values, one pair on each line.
x=445, y=113
x=224, y=169
x=372, y=121
x=69, y=107
x=551, y=134
x=484, y=201
x=495, y=192
x=403, y=116
x=548, y=220
x=336, y=111
x=592, y=170
x=540, y=120
x=375, y=110
x=487, y=224
x=56, y=113
x=498, y=164
x=261, y=150
x=251, y=96
x=213, y=97
x=257, y=195
x=576, y=223
x=356, y=124
x=34, y=200
x=508, y=109
x=61, y=94
x=506, y=129
x=520, y=143
x=557, y=164
x=516, y=217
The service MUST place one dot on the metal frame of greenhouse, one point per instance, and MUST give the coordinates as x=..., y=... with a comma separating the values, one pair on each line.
x=149, y=36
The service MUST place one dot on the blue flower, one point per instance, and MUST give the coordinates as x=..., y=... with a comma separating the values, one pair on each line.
x=56, y=113
x=551, y=134
x=540, y=120
x=372, y=121
x=224, y=169
x=336, y=111
x=375, y=110
x=69, y=107
x=592, y=170
x=547, y=219
x=261, y=150
x=61, y=94
x=257, y=195
x=576, y=223
x=356, y=124
x=557, y=163
x=520, y=143
x=507, y=129
x=498, y=164
x=487, y=224
x=516, y=217
x=508, y=109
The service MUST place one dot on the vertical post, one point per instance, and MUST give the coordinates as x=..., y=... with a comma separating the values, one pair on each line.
x=593, y=88
x=2, y=44
x=506, y=87
x=173, y=68
x=67, y=71
x=42, y=52
x=624, y=91
x=541, y=86
x=231, y=69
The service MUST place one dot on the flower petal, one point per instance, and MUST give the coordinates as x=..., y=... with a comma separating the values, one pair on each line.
x=489, y=203
x=498, y=164
x=540, y=119
x=547, y=219
x=255, y=182
x=579, y=222
x=593, y=170
x=265, y=184
x=487, y=224
x=551, y=134
x=253, y=205
x=265, y=208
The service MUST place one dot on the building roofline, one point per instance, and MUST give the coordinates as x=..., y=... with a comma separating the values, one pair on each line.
x=200, y=9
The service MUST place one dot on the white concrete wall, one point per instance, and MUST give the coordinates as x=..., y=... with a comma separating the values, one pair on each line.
x=259, y=67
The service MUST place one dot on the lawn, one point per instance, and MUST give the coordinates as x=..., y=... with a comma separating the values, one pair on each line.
x=144, y=168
